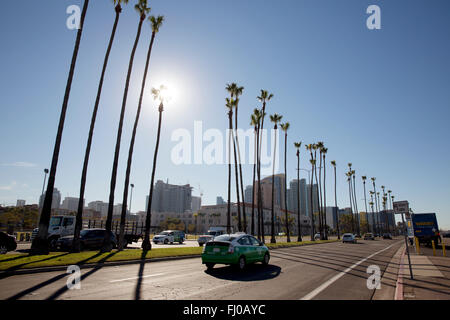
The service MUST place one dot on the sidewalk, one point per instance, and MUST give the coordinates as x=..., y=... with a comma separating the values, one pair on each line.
x=431, y=276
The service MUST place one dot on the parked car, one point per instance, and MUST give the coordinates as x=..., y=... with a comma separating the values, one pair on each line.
x=387, y=236
x=349, y=237
x=7, y=243
x=169, y=236
x=369, y=236
x=235, y=249
x=317, y=236
x=204, y=239
x=89, y=239
x=446, y=235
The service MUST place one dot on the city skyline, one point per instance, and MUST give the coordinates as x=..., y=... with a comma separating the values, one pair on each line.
x=353, y=79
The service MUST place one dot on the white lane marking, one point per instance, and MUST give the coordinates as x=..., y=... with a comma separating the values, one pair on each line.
x=326, y=284
x=134, y=278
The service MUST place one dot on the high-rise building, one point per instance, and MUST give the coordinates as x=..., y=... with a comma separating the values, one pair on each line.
x=20, y=203
x=266, y=191
x=196, y=203
x=248, y=194
x=70, y=203
x=99, y=206
x=292, y=196
x=171, y=198
x=219, y=201
x=331, y=214
x=315, y=198
x=56, y=199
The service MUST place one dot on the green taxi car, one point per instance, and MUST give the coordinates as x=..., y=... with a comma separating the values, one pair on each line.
x=234, y=249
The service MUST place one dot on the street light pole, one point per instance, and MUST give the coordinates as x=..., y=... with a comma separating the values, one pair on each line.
x=43, y=185
x=131, y=195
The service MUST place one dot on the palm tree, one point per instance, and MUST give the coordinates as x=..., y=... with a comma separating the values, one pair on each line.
x=297, y=145
x=275, y=118
x=376, y=205
x=358, y=229
x=263, y=98
x=235, y=92
x=349, y=180
x=158, y=94
x=40, y=243
x=309, y=147
x=156, y=23
x=324, y=153
x=364, y=178
x=333, y=163
x=371, y=203
x=255, y=121
x=285, y=128
x=230, y=105
x=142, y=10
x=320, y=146
x=79, y=216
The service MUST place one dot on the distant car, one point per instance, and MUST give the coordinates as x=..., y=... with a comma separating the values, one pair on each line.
x=349, y=237
x=369, y=236
x=169, y=236
x=387, y=236
x=204, y=239
x=317, y=236
x=235, y=249
x=446, y=235
x=7, y=243
x=89, y=239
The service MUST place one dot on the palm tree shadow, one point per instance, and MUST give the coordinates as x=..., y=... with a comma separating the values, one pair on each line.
x=14, y=258
x=97, y=267
x=50, y=281
x=253, y=272
x=137, y=291
x=9, y=271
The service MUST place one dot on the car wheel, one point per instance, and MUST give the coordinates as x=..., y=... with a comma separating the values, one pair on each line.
x=210, y=265
x=241, y=263
x=181, y=242
x=166, y=241
x=200, y=244
x=266, y=259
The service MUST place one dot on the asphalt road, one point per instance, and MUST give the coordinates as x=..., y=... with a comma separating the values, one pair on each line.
x=324, y=271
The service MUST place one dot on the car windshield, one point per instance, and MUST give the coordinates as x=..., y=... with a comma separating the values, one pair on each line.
x=84, y=233
x=55, y=221
x=164, y=233
x=224, y=238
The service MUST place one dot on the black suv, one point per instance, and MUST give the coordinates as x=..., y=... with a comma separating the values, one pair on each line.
x=89, y=239
x=7, y=243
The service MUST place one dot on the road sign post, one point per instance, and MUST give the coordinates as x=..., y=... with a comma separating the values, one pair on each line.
x=402, y=207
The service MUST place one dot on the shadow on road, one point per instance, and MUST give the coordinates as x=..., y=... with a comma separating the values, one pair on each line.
x=253, y=272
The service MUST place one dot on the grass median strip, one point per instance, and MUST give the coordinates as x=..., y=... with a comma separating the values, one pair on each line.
x=10, y=262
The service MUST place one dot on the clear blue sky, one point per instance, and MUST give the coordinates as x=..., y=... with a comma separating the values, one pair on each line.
x=379, y=99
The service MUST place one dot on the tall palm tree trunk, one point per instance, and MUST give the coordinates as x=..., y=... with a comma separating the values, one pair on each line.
x=272, y=232
x=311, y=203
x=237, y=185
x=365, y=206
x=351, y=203
x=130, y=151
x=260, y=204
x=79, y=217
x=146, y=245
x=335, y=204
x=255, y=150
x=325, y=199
x=40, y=244
x=299, y=221
x=240, y=171
x=358, y=226
x=285, y=188
x=107, y=242
x=321, y=226
x=230, y=118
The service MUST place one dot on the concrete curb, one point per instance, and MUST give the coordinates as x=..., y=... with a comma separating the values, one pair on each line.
x=389, y=278
x=120, y=263
x=399, y=286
